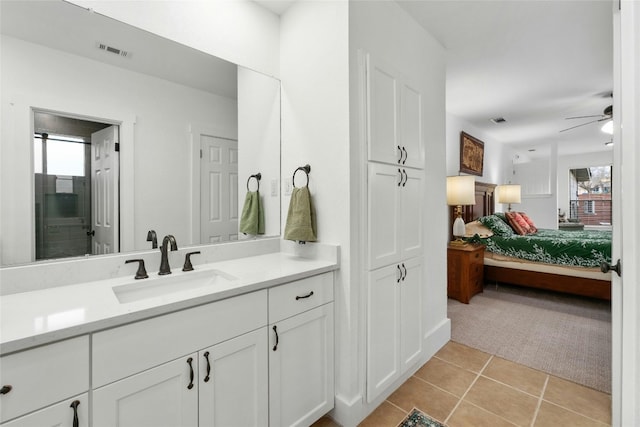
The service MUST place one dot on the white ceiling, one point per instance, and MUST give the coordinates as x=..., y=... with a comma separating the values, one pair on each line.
x=533, y=62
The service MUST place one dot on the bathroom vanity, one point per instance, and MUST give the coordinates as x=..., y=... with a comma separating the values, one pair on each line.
x=253, y=348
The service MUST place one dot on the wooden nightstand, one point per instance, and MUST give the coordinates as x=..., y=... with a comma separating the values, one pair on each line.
x=465, y=271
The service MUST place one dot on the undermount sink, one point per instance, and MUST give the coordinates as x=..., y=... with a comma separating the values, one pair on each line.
x=164, y=285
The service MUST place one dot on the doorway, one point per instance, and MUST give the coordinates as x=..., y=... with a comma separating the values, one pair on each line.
x=75, y=163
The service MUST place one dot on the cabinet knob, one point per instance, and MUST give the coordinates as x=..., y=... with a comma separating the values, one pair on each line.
x=6, y=389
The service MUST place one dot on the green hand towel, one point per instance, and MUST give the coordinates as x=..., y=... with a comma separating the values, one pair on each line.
x=301, y=218
x=252, y=219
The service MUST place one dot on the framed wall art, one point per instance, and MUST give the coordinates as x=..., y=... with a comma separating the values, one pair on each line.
x=471, y=154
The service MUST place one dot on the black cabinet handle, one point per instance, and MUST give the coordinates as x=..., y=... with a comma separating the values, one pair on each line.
x=400, y=182
x=5, y=389
x=91, y=233
x=404, y=275
x=74, y=405
x=304, y=296
x=189, y=360
x=275, y=347
x=406, y=177
x=405, y=155
x=206, y=357
x=400, y=152
x=399, y=271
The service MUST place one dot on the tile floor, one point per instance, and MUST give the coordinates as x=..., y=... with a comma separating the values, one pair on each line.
x=462, y=386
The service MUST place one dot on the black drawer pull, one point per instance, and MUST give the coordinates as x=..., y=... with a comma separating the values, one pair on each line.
x=400, y=152
x=74, y=405
x=399, y=271
x=304, y=296
x=404, y=275
x=189, y=360
x=206, y=357
x=275, y=347
x=405, y=155
x=5, y=389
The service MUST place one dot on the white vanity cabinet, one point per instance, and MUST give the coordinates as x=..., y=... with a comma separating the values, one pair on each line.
x=44, y=376
x=154, y=372
x=301, y=365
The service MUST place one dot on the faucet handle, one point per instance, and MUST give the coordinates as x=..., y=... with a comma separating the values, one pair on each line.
x=187, y=261
x=141, y=273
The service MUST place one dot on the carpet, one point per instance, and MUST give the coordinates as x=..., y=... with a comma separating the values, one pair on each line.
x=419, y=419
x=563, y=335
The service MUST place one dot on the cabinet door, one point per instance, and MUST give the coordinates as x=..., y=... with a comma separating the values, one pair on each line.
x=233, y=379
x=382, y=112
x=410, y=313
x=411, y=126
x=411, y=214
x=61, y=414
x=301, y=386
x=384, y=210
x=383, y=338
x=158, y=397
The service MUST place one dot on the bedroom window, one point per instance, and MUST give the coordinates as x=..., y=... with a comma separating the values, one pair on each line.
x=590, y=195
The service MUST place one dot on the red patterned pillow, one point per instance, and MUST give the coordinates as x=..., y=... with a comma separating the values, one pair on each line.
x=532, y=227
x=519, y=225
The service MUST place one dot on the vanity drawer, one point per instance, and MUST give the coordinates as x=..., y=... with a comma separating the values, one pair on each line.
x=302, y=295
x=129, y=349
x=43, y=375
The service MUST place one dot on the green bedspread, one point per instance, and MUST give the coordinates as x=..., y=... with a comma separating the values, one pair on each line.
x=575, y=248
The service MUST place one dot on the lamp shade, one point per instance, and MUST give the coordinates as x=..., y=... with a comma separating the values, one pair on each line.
x=509, y=193
x=461, y=190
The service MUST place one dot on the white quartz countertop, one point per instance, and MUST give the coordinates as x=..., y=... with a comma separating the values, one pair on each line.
x=34, y=318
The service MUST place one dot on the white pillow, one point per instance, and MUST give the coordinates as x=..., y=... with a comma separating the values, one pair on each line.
x=476, y=227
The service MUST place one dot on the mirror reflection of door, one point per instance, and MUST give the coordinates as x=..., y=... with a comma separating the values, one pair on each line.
x=72, y=192
x=218, y=189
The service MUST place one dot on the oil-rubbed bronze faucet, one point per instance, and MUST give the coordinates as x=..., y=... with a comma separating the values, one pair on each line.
x=153, y=238
x=164, y=257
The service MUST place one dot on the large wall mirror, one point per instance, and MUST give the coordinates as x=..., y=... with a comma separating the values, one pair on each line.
x=109, y=132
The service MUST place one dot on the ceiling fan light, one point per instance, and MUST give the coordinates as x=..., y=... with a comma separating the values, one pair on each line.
x=607, y=127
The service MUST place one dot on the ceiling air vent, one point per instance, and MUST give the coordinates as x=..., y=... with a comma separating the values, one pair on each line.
x=497, y=120
x=114, y=50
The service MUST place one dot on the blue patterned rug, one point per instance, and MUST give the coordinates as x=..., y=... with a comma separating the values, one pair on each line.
x=418, y=419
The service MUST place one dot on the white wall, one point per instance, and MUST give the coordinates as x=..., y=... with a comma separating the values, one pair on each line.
x=162, y=112
x=239, y=31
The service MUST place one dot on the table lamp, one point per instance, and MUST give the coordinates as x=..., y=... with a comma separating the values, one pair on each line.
x=461, y=190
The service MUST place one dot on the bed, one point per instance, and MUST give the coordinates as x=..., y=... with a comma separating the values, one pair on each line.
x=558, y=260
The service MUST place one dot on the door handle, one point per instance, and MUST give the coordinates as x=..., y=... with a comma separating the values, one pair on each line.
x=91, y=233
x=605, y=267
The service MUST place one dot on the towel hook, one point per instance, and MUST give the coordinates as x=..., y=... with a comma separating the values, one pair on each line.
x=258, y=177
x=306, y=168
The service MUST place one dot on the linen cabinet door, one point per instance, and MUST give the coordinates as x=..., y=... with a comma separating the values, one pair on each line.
x=411, y=126
x=384, y=213
x=61, y=415
x=383, y=338
x=301, y=384
x=411, y=216
x=234, y=382
x=410, y=312
x=382, y=112
x=166, y=395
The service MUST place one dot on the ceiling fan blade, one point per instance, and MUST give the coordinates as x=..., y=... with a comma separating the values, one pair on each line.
x=583, y=117
x=583, y=124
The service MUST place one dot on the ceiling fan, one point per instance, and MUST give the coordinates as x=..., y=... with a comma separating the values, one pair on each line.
x=607, y=114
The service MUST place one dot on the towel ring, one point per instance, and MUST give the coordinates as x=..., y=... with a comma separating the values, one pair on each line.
x=306, y=169
x=258, y=177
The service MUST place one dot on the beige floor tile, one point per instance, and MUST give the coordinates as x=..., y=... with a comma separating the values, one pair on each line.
x=415, y=393
x=448, y=377
x=516, y=375
x=583, y=400
x=551, y=415
x=463, y=356
x=385, y=415
x=467, y=415
x=502, y=400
